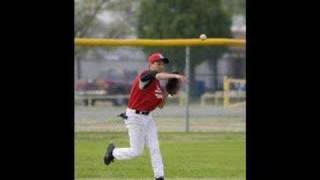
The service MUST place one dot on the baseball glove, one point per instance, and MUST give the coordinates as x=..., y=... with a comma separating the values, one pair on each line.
x=173, y=85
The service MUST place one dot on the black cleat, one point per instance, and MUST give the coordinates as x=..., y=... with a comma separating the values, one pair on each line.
x=160, y=178
x=108, y=157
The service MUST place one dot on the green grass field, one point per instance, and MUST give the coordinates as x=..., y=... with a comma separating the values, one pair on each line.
x=217, y=156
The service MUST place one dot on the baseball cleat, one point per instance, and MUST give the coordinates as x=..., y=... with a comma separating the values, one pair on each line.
x=108, y=157
x=160, y=178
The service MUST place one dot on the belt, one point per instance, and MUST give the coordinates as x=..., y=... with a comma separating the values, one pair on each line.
x=139, y=112
x=142, y=112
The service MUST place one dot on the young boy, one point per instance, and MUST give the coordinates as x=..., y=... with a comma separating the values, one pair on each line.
x=145, y=96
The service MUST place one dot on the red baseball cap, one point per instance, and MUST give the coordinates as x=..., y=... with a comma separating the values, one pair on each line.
x=154, y=57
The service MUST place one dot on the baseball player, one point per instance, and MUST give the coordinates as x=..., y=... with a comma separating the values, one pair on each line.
x=145, y=96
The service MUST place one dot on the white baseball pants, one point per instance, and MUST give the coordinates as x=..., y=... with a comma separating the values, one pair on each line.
x=142, y=130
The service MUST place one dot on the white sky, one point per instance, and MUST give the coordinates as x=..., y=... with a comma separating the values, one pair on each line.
x=106, y=17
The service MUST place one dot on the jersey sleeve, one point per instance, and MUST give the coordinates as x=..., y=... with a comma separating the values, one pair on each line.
x=148, y=75
x=146, y=78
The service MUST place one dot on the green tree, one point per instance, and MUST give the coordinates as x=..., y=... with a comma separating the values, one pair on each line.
x=185, y=19
x=235, y=7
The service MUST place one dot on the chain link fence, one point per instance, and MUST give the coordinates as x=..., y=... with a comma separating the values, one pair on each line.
x=104, y=76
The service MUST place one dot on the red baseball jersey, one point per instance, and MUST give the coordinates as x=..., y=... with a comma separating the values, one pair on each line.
x=146, y=99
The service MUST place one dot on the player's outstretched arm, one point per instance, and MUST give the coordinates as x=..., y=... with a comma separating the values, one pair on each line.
x=166, y=76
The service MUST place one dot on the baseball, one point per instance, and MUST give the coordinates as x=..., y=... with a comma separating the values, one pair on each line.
x=203, y=36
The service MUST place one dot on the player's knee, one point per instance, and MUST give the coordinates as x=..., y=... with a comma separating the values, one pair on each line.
x=155, y=151
x=137, y=152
